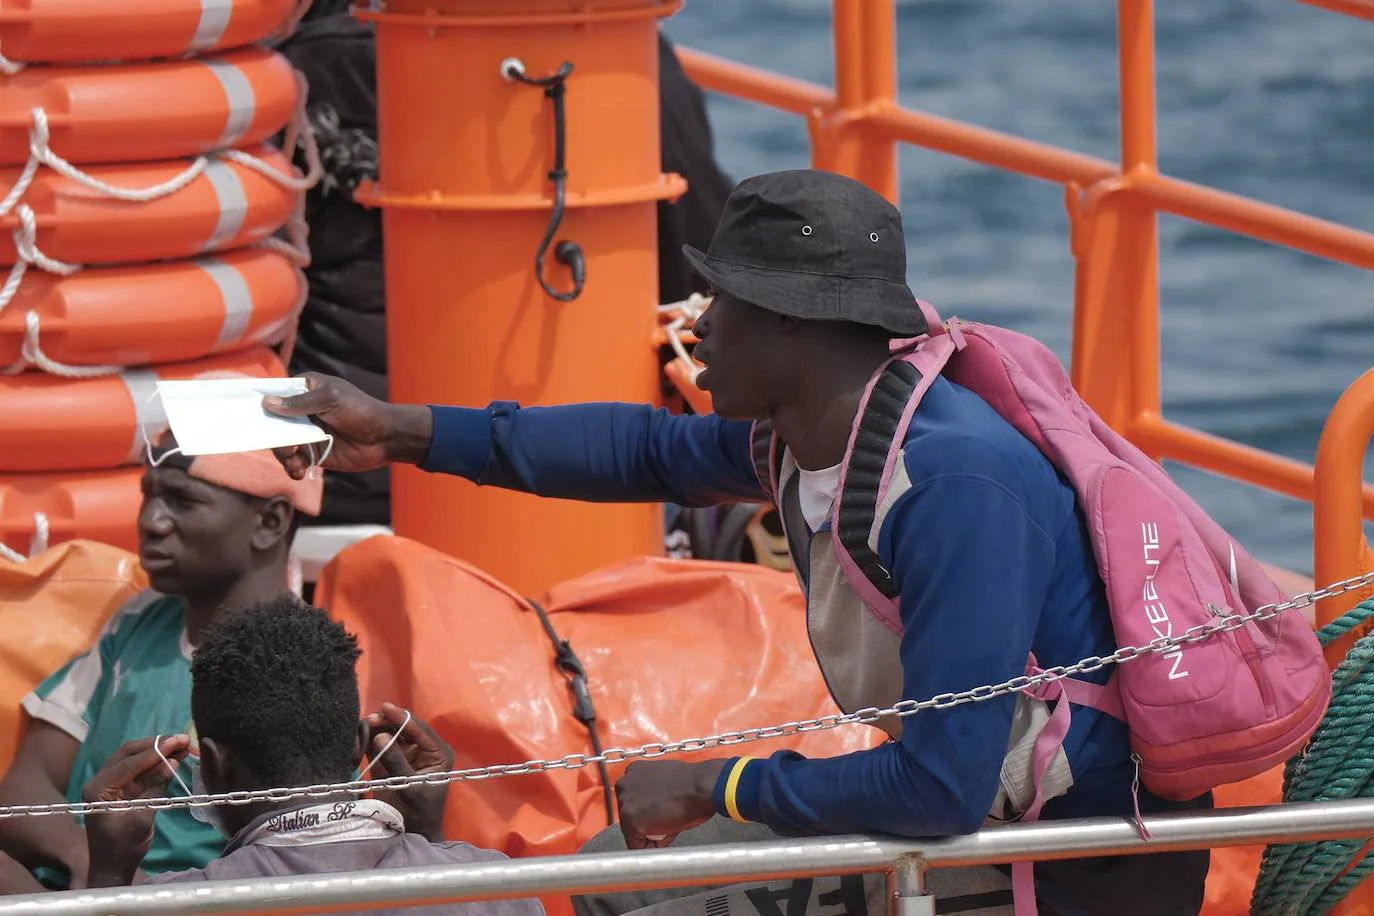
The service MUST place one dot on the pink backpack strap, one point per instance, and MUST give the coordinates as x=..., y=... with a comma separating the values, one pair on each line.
x=875, y=442
x=1102, y=697
x=935, y=325
x=1064, y=694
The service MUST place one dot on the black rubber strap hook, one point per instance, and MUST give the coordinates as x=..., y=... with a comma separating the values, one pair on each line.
x=567, y=253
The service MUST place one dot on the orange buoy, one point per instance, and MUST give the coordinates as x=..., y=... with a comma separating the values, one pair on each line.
x=147, y=111
x=71, y=31
x=461, y=236
x=121, y=315
x=97, y=505
x=59, y=424
x=226, y=206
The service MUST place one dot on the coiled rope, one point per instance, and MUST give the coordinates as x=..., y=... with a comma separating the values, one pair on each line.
x=1308, y=879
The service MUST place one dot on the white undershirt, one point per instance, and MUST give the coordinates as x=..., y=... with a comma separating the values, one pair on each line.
x=816, y=492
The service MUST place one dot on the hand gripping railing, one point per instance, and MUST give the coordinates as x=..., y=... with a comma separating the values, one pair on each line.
x=905, y=862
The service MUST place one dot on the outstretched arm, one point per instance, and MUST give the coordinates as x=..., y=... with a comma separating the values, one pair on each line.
x=597, y=452
x=604, y=452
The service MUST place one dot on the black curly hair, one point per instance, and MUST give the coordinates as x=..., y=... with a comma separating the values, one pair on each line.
x=276, y=682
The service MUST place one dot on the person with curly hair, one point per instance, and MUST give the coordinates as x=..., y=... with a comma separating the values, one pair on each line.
x=274, y=698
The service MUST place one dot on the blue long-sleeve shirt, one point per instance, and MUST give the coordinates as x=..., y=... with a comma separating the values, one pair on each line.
x=991, y=559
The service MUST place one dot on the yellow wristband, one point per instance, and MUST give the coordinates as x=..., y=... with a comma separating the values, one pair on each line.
x=732, y=784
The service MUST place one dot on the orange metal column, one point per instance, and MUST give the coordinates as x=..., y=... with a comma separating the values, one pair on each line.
x=1119, y=318
x=465, y=160
x=865, y=36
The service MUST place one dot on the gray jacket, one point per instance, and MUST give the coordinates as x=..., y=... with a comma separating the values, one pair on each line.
x=257, y=853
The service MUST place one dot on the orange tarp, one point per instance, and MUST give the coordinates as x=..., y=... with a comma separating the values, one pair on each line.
x=673, y=649
x=52, y=607
x=1231, y=879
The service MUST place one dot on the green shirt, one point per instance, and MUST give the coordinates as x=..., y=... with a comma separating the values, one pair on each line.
x=135, y=682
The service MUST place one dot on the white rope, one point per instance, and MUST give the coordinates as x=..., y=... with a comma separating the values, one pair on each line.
x=12, y=281
x=26, y=247
x=37, y=544
x=688, y=311
x=16, y=194
x=9, y=67
x=31, y=354
x=298, y=256
x=691, y=307
x=287, y=346
x=299, y=132
x=653, y=750
x=295, y=576
x=295, y=247
x=26, y=240
x=21, y=185
x=40, y=151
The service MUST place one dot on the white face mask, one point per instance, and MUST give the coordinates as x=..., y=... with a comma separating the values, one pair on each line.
x=208, y=815
x=220, y=416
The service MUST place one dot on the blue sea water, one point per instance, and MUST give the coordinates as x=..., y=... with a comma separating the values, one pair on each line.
x=1269, y=98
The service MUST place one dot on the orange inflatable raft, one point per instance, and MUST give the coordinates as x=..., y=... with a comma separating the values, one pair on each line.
x=97, y=505
x=226, y=206
x=138, y=112
x=155, y=313
x=58, y=424
x=72, y=31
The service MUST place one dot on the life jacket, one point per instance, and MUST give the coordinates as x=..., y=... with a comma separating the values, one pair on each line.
x=1200, y=715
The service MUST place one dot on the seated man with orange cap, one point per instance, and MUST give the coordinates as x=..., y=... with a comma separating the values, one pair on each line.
x=214, y=534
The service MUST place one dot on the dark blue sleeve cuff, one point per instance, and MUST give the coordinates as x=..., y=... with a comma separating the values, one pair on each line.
x=736, y=794
x=460, y=443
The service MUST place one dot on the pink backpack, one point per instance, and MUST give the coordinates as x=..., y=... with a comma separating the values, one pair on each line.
x=1201, y=715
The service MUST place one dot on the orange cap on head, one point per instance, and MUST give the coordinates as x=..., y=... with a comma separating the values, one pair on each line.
x=260, y=474
x=256, y=473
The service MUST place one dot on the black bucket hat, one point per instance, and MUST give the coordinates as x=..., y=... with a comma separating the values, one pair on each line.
x=813, y=245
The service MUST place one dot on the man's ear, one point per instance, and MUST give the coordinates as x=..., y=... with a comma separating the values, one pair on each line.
x=791, y=325
x=214, y=764
x=274, y=523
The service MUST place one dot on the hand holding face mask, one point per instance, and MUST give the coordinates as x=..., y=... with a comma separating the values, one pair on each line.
x=402, y=745
x=222, y=416
x=119, y=840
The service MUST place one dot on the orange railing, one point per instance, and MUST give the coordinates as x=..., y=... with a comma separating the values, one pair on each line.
x=1113, y=211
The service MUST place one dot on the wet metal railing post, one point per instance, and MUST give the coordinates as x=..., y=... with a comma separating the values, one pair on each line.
x=728, y=864
x=906, y=889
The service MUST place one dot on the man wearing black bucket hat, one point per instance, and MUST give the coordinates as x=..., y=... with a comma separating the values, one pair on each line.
x=984, y=544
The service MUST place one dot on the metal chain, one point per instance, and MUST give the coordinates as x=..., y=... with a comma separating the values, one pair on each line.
x=1224, y=623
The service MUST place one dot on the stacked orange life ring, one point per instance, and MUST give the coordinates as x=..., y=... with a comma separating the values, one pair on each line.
x=141, y=202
